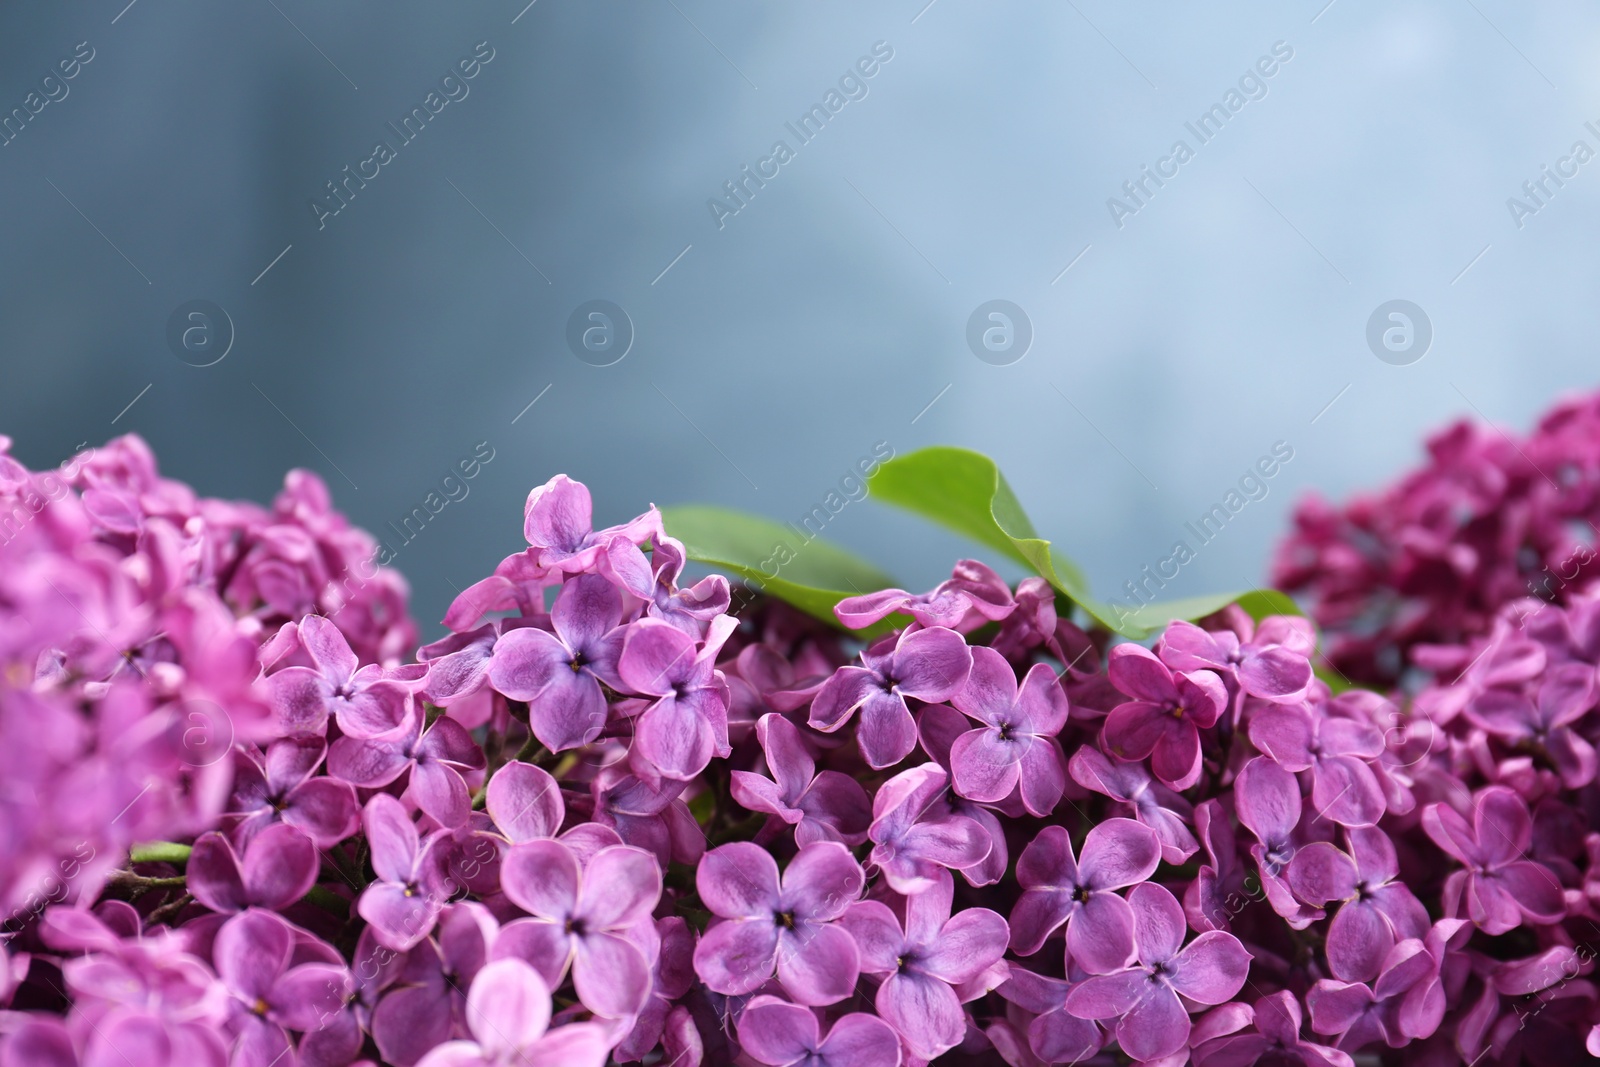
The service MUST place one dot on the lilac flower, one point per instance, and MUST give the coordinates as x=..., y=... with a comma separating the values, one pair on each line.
x=1378, y=909
x=584, y=916
x=284, y=787
x=1500, y=887
x=1212, y=899
x=1148, y=999
x=336, y=1043
x=1272, y=665
x=560, y=674
x=780, y=1034
x=790, y=925
x=428, y=1001
x=826, y=806
x=1164, y=719
x=517, y=584
x=365, y=701
x=1268, y=798
x=915, y=836
x=1276, y=1040
x=1565, y=695
x=525, y=802
x=939, y=726
x=654, y=581
x=508, y=1013
x=971, y=596
x=671, y=979
x=412, y=885
x=558, y=520
x=1336, y=751
x=1057, y=889
x=1054, y=1034
x=253, y=952
x=687, y=721
x=646, y=815
x=1153, y=804
x=433, y=756
x=929, y=665
x=923, y=963
x=1016, y=749
x=279, y=867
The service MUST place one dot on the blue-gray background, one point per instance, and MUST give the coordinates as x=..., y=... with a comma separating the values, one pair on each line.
x=1224, y=316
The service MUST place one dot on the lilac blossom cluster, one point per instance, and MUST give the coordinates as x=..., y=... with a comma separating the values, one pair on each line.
x=605, y=821
x=1489, y=519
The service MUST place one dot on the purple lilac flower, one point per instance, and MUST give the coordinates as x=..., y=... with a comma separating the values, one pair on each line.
x=929, y=665
x=1058, y=888
x=525, y=802
x=1377, y=910
x=925, y=963
x=826, y=806
x=915, y=835
x=428, y=1001
x=412, y=884
x=1148, y=999
x=586, y=916
x=1565, y=695
x=508, y=1014
x=284, y=787
x=670, y=980
x=1272, y=664
x=654, y=581
x=1269, y=804
x=279, y=867
x=1158, y=807
x=789, y=924
x=971, y=596
x=364, y=700
x=687, y=721
x=1016, y=749
x=938, y=728
x=1054, y=1035
x=1336, y=752
x=253, y=953
x=1276, y=1040
x=1500, y=888
x=558, y=520
x=1164, y=719
x=779, y=1034
x=433, y=757
x=561, y=674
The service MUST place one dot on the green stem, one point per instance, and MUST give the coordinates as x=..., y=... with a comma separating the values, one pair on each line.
x=160, y=852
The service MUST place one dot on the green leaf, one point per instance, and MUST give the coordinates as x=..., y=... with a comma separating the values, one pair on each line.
x=965, y=491
x=810, y=574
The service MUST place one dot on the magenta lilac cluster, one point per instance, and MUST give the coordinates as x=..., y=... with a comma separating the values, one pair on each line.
x=1489, y=519
x=606, y=821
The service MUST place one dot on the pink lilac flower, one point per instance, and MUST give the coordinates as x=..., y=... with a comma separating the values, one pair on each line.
x=508, y=1015
x=924, y=964
x=363, y=700
x=929, y=665
x=915, y=836
x=791, y=925
x=647, y=815
x=282, y=786
x=1499, y=888
x=825, y=806
x=687, y=721
x=779, y=1034
x=559, y=525
x=670, y=980
x=412, y=884
x=432, y=757
x=429, y=1000
x=1271, y=664
x=1016, y=748
x=586, y=916
x=1546, y=721
x=1058, y=888
x=525, y=802
x=939, y=726
x=1164, y=719
x=1269, y=804
x=1377, y=910
x=1054, y=1035
x=560, y=673
x=1148, y=1000
x=279, y=867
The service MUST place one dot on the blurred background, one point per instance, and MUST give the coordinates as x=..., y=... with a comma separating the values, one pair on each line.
x=380, y=315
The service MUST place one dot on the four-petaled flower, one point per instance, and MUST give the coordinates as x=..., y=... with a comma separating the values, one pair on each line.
x=929, y=665
x=508, y=1013
x=779, y=1034
x=1016, y=749
x=1164, y=719
x=365, y=701
x=1500, y=887
x=831, y=806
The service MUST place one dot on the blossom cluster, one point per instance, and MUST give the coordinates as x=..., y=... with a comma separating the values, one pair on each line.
x=606, y=821
x=1489, y=519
